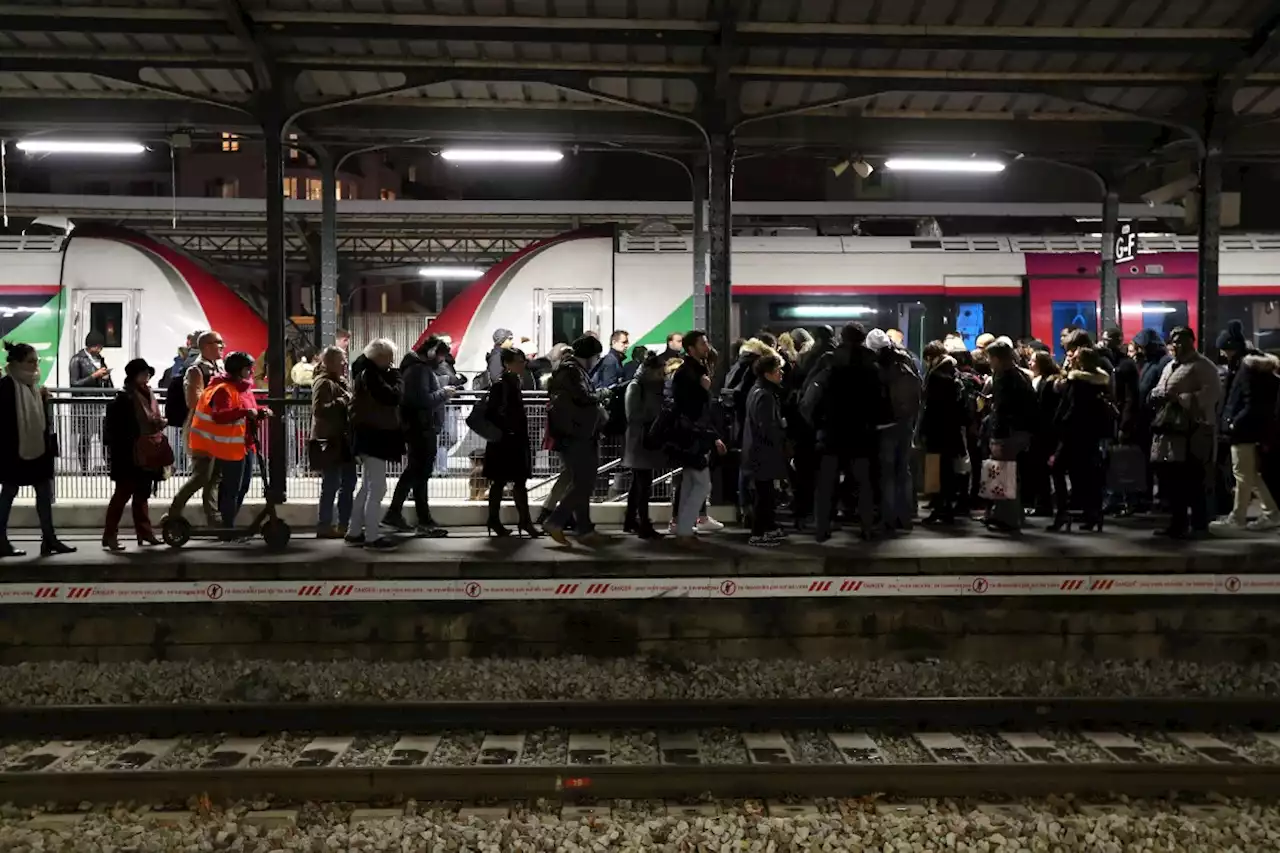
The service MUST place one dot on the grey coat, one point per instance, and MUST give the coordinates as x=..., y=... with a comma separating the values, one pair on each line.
x=1195, y=386
x=643, y=403
x=764, y=438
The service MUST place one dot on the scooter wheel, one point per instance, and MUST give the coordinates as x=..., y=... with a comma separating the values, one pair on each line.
x=176, y=532
x=276, y=534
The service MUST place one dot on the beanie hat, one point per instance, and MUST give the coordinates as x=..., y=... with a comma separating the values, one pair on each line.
x=877, y=340
x=587, y=346
x=954, y=345
x=1232, y=338
x=500, y=335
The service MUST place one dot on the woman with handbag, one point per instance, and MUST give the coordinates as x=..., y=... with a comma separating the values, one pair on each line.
x=30, y=446
x=1085, y=418
x=137, y=454
x=329, y=450
x=508, y=457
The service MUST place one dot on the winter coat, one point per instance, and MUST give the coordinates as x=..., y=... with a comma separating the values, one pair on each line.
x=448, y=374
x=1044, y=440
x=1085, y=416
x=853, y=404
x=494, y=361
x=945, y=416
x=121, y=427
x=690, y=399
x=693, y=436
x=609, y=370
x=510, y=458
x=1249, y=414
x=1124, y=390
x=630, y=369
x=1195, y=386
x=1013, y=404
x=643, y=405
x=81, y=369
x=422, y=408
x=375, y=411
x=764, y=438
x=575, y=412
x=739, y=380
x=330, y=407
x=13, y=469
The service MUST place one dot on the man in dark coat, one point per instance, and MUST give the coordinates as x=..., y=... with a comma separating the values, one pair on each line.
x=1124, y=380
x=764, y=449
x=694, y=437
x=943, y=425
x=675, y=348
x=611, y=370
x=574, y=420
x=1247, y=421
x=423, y=415
x=502, y=339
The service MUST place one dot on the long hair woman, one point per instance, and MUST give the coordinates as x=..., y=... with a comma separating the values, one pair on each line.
x=510, y=458
x=29, y=447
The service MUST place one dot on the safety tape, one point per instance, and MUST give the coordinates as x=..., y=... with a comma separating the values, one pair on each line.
x=595, y=589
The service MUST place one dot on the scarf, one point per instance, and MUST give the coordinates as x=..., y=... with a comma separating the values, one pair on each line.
x=29, y=412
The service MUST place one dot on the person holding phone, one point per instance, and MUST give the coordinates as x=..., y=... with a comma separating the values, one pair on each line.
x=88, y=371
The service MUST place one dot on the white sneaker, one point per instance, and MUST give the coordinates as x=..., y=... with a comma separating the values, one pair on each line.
x=707, y=524
x=672, y=528
x=1265, y=522
x=1226, y=526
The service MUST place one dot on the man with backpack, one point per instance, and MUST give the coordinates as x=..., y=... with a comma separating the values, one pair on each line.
x=902, y=388
x=182, y=397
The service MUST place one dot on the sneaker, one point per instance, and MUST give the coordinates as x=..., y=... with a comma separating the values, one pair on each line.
x=777, y=535
x=1227, y=526
x=330, y=531
x=595, y=539
x=382, y=543
x=430, y=532
x=707, y=524
x=354, y=541
x=1265, y=522
x=557, y=535
x=765, y=541
x=673, y=529
x=397, y=523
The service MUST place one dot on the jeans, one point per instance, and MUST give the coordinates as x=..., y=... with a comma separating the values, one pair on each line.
x=206, y=474
x=829, y=470
x=897, y=491
x=44, y=508
x=580, y=458
x=695, y=487
x=139, y=491
x=762, y=520
x=559, y=489
x=236, y=476
x=337, y=481
x=373, y=488
x=638, y=498
x=416, y=478
x=1247, y=469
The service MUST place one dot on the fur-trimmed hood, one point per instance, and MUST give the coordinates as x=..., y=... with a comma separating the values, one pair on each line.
x=755, y=348
x=1094, y=377
x=1261, y=362
x=946, y=364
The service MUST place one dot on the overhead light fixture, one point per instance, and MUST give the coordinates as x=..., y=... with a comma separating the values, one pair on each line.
x=860, y=167
x=78, y=146
x=915, y=164
x=824, y=312
x=453, y=273
x=501, y=155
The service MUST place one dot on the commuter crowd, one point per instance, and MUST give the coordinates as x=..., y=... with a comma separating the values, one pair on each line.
x=816, y=427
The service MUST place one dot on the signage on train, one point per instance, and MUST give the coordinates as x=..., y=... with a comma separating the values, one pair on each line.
x=1126, y=244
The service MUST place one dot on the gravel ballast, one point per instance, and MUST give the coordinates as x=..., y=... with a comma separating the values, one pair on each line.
x=498, y=679
x=836, y=826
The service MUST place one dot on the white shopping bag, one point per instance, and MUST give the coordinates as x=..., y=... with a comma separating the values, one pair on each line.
x=999, y=480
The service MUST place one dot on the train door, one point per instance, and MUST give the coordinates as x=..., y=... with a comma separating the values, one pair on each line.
x=911, y=322
x=563, y=316
x=114, y=314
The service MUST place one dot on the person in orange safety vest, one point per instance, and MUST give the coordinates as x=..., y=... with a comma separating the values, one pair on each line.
x=224, y=426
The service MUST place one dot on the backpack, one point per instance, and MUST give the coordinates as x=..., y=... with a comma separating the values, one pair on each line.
x=481, y=381
x=814, y=388
x=903, y=384
x=175, y=397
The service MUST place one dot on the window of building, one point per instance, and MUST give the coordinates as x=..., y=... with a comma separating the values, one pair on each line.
x=230, y=142
x=294, y=153
x=387, y=195
x=315, y=189
x=290, y=187
x=226, y=189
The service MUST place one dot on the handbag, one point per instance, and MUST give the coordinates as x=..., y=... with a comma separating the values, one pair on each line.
x=479, y=423
x=324, y=453
x=152, y=452
x=1172, y=419
x=999, y=480
x=1127, y=471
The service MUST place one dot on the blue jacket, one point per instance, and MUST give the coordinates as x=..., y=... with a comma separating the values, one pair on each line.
x=424, y=397
x=610, y=370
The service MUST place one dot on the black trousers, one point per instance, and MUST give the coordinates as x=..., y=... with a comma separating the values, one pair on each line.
x=1085, y=468
x=520, y=496
x=762, y=515
x=638, y=497
x=416, y=478
x=1183, y=484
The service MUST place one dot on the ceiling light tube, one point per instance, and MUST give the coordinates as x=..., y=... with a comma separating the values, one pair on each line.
x=825, y=312
x=79, y=146
x=918, y=164
x=453, y=273
x=501, y=155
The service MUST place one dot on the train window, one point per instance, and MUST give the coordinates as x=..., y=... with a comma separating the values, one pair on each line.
x=108, y=318
x=1164, y=316
x=567, y=322
x=1080, y=315
x=970, y=319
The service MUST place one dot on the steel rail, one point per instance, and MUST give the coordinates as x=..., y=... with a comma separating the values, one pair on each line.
x=941, y=714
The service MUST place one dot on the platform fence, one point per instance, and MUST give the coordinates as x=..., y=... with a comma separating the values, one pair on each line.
x=81, y=474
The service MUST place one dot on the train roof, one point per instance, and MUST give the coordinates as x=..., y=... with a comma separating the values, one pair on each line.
x=1065, y=243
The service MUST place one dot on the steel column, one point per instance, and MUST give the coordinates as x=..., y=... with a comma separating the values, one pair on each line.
x=327, y=307
x=1110, y=284
x=720, y=214
x=277, y=302
x=1210, y=225
x=699, y=243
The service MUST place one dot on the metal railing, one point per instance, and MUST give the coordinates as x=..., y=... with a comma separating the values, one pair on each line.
x=81, y=474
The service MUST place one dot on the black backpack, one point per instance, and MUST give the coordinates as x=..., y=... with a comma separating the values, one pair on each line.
x=175, y=397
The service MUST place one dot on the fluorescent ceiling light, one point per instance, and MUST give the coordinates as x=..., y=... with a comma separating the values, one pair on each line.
x=825, y=312
x=914, y=164
x=1152, y=309
x=501, y=155
x=78, y=146
x=456, y=273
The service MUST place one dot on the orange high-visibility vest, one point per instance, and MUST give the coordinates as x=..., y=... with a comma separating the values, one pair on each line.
x=210, y=438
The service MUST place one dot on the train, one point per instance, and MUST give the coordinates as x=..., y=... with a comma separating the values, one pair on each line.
x=143, y=296
x=556, y=289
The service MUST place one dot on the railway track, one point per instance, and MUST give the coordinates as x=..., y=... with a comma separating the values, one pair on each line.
x=635, y=750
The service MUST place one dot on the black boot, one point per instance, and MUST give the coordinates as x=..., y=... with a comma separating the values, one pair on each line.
x=7, y=550
x=52, y=546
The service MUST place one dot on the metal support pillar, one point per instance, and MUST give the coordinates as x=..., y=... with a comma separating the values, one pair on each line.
x=1110, y=283
x=699, y=243
x=439, y=295
x=327, y=304
x=1210, y=225
x=277, y=303
x=720, y=227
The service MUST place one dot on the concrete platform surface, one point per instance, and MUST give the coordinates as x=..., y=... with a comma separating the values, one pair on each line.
x=468, y=553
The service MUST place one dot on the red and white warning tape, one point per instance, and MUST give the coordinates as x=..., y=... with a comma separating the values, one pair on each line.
x=897, y=586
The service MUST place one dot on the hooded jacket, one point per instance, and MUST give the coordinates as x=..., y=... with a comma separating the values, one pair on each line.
x=945, y=416
x=764, y=439
x=422, y=407
x=1249, y=413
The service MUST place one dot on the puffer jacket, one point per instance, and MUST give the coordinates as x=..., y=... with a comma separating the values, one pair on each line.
x=575, y=412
